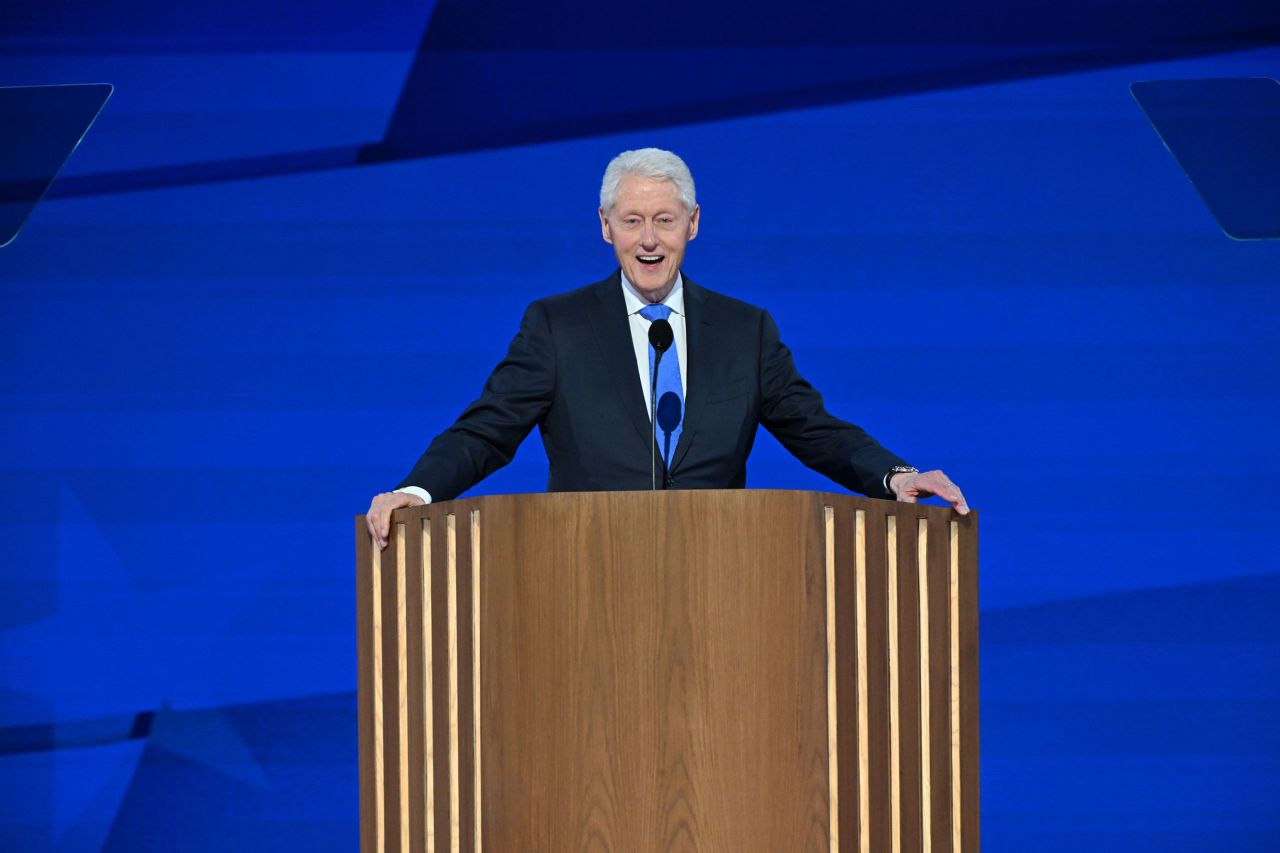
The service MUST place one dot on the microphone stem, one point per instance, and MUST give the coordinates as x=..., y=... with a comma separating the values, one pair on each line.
x=653, y=421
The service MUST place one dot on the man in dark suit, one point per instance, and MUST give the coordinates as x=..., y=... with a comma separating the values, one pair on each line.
x=583, y=370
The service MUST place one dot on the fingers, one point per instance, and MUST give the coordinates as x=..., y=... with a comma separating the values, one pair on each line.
x=934, y=483
x=937, y=483
x=378, y=518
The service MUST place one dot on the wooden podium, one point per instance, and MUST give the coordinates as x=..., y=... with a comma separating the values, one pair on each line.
x=645, y=672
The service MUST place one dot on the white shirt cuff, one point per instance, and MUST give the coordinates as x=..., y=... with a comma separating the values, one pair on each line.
x=423, y=494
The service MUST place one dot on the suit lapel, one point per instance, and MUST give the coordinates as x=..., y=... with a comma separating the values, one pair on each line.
x=697, y=330
x=613, y=336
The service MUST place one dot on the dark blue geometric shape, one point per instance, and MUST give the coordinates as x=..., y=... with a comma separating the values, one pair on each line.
x=290, y=785
x=501, y=73
x=211, y=171
x=1239, y=611
x=1225, y=134
x=231, y=26
x=66, y=801
x=47, y=737
x=39, y=128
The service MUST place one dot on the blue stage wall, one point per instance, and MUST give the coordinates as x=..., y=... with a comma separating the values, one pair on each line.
x=246, y=306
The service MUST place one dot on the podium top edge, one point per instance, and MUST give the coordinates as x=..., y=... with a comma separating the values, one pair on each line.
x=937, y=512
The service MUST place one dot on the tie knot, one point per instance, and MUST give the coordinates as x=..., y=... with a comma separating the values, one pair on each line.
x=655, y=312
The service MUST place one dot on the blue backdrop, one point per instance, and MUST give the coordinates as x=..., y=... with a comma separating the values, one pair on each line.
x=298, y=238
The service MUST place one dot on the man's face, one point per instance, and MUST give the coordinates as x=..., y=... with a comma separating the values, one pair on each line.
x=648, y=228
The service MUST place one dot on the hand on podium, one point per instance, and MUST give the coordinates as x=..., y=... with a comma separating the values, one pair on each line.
x=909, y=488
x=379, y=516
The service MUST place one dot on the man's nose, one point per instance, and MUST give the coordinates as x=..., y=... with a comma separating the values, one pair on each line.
x=649, y=235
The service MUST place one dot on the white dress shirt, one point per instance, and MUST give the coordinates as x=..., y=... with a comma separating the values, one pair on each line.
x=640, y=334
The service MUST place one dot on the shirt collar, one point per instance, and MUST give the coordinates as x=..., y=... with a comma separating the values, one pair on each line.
x=635, y=302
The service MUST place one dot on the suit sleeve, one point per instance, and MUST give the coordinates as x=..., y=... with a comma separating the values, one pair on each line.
x=793, y=411
x=487, y=434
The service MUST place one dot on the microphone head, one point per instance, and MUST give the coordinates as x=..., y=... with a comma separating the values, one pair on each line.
x=660, y=335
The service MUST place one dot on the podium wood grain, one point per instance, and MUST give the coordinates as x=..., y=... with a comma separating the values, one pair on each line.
x=669, y=671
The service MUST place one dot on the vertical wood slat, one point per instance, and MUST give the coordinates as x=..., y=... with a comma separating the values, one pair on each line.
x=967, y=562
x=954, y=682
x=894, y=655
x=415, y=690
x=464, y=737
x=426, y=692
x=939, y=679
x=439, y=596
x=834, y=666
x=924, y=699
x=389, y=669
x=862, y=745
x=477, y=817
x=379, y=697
x=880, y=830
x=402, y=686
x=908, y=681
x=851, y=669
x=366, y=712
x=451, y=645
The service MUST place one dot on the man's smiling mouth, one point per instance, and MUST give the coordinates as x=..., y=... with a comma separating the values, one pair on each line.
x=650, y=259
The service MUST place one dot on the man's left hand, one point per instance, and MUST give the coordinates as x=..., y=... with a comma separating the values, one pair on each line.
x=909, y=488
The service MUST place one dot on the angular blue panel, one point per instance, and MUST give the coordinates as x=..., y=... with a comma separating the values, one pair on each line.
x=1225, y=134
x=587, y=68
x=39, y=128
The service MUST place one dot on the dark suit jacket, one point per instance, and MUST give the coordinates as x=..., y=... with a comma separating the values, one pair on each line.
x=571, y=370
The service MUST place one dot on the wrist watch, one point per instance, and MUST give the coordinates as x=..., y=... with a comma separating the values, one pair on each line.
x=898, y=469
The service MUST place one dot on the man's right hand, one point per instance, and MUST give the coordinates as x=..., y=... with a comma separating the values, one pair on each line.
x=379, y=516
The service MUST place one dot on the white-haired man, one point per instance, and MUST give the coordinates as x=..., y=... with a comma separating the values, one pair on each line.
x=582, y=369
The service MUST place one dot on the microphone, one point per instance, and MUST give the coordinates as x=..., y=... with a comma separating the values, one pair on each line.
x=660, y=338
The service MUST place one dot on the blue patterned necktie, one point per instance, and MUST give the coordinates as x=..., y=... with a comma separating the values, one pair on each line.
x=669, y=390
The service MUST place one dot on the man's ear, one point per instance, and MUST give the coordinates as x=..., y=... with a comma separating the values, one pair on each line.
x=604, y=227
x=693, y=222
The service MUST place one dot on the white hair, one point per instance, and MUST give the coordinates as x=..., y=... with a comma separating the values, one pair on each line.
x=648, y=163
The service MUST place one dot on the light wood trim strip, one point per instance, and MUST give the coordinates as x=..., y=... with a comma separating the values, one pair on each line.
x=895, y=746
x=428, y=688
x=379, y=736
x=402, y=683
x=475, y=669
x=926, y=786
x=833, y=743
x=864, y=637
x=953, y=599
x=455, y=819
